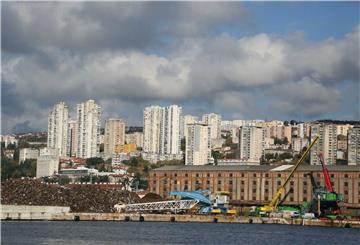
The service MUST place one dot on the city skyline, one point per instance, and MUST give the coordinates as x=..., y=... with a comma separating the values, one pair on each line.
x=235, y=59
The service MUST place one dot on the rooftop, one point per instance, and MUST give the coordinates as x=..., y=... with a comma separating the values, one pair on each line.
x=303, y=168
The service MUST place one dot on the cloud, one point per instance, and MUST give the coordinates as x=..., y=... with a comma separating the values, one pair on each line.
x=113, y=53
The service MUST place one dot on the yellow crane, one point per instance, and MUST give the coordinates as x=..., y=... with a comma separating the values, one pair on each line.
x=272, y=206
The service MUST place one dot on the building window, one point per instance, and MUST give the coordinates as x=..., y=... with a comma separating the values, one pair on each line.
x=254, y=198
x=254, y=175
x=154, y=189
x=219, y=182
x=231, y=175
x=230, y=182
x=279, y=183
x=208, y=182
x=154, y=175
x=266, y=175
x=242, y=182
x=154, y=182
x=175, y=175
x=254, y=190
x=219, y=175
x=242, y=175
x=186, y=182
x=291, y=199
x=254, y=182
x=305, y=191
x=266, y=182
x=165, y=175
x=291, y=182
x=208, y=175
x=186, y=175
x=346, y=184
x=279, y=175
x=346, y=192
x=304, y=199
x=266, y=191
x=346, y=176
x=197, y=175
x=242, y=190
x=219, y=188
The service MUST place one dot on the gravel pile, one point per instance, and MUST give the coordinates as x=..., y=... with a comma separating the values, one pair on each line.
x=80, y=198
x=151, y=197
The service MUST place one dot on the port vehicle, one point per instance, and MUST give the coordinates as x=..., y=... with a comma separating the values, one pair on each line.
x=325, y=201
x=216, y=203
x=273, y=205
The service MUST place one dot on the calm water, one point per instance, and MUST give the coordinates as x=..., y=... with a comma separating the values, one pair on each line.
x=58, y=232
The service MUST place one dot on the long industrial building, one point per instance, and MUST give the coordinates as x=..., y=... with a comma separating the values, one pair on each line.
x=256, y=184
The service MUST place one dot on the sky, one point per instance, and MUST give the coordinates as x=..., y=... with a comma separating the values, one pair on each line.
x=244, y=60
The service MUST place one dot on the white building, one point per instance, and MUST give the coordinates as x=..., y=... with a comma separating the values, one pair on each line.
x=297, y=144
x=187, y=119
x=72, y=138
x=28, y=153
x=47, y=163
x=251, y=143
x=88, y=119
x=162, y=130
x=198, y=144
x=327, y=144
x=214, y=121
x=58, y=128
x=354, y=146
x=135, y=138
x=114, y=135
x=170, y=141
x=152, y=121
x=9, y=139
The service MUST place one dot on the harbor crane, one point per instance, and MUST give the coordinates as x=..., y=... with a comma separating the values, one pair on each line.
x=272, y=206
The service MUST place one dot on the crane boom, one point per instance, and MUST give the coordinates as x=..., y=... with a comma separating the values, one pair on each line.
x=275, y=201
x=325, y=173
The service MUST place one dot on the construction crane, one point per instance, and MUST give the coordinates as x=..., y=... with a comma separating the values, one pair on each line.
x=325, y=173
x=272, y=206
x=325, y=201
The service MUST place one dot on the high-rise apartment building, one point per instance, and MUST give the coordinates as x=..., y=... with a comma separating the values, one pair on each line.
x=72, y=138
x=170, y=140
x=58, y=128
x=162, y=130
x=114, y=135
x=354, y=145
x=88, y=119
x=214, y=121
x=47, y=163
x=198, y=144
x=187, y=119
x=251, y=143
x=152, y=122
x=326, y=145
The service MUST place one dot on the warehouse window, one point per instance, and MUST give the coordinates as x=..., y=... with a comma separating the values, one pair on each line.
x=305, y=183
x=266, y=175
x=231, y=175
x=219, y=175
x=242, y=175
x=208, y=175
x=254, y=175
x=175, y=175
x=186, y=175
x=208, y=182
x=154, y=175
x=346, y=184
x=154, y=189
x=254, y=182
x=266, y=182
x=230, y=182
x=346, y=176
x=242, y=182
x=279, y=183
x=279, y=175
x=154, y=182
x=219, y=182
x=197, y=175
x=304, y=199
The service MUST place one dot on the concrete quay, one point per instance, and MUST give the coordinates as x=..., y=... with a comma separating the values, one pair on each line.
x=52, y=213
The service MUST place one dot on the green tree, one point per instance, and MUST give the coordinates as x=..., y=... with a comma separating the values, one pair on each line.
x=93, y=161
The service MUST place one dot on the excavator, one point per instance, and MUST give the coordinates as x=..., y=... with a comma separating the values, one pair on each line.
x=273, y=205
x=325, y=201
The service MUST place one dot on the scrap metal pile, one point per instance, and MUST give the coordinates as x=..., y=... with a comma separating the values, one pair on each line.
x=80, y=198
